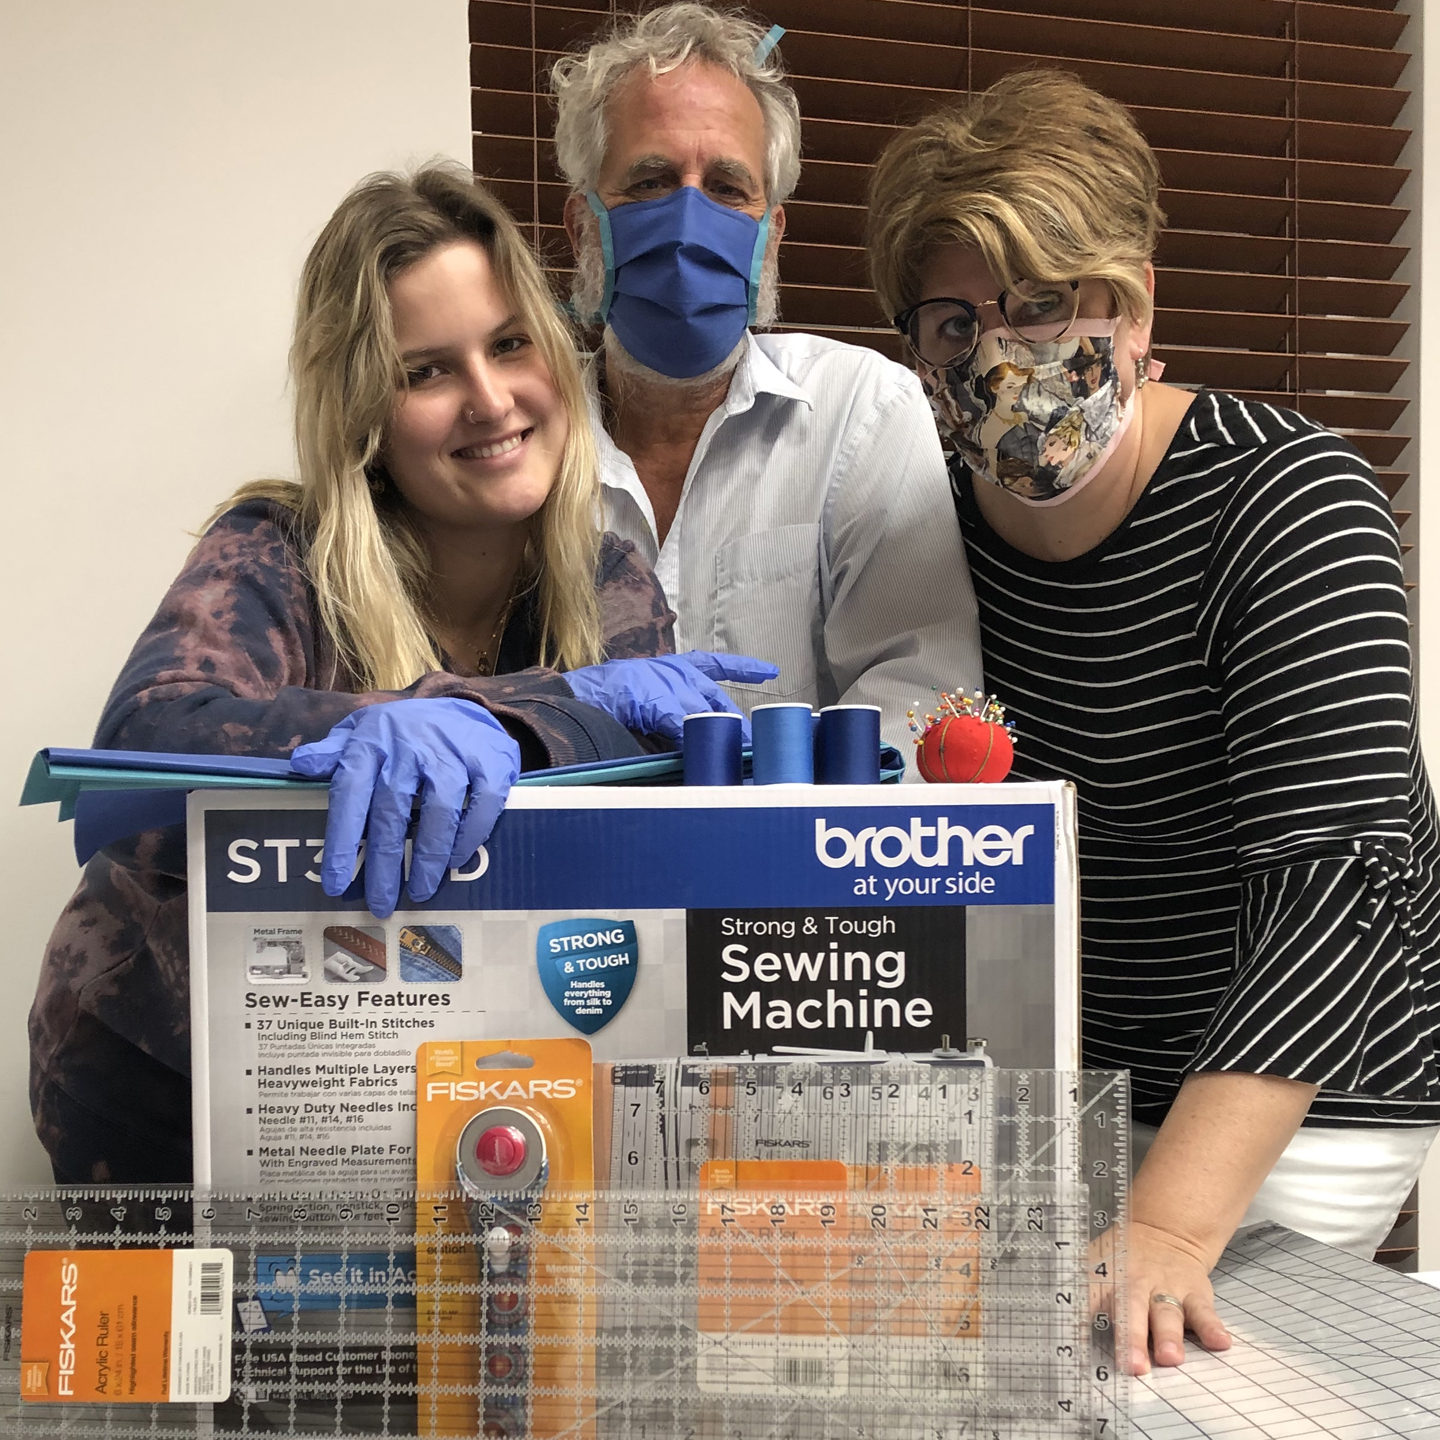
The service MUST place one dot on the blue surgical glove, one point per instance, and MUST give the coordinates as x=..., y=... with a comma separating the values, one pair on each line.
x=453, y=754
x=653, y=697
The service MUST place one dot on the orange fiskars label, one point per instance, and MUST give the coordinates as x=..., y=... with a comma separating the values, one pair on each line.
x=787, y=1239
x=552, y=1083
x=125, y=1326
x=802, y=1259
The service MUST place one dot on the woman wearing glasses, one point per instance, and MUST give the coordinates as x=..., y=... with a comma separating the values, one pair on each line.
x=1193, y=607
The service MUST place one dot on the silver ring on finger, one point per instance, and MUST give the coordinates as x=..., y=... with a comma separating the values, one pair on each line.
x=1159, y=1299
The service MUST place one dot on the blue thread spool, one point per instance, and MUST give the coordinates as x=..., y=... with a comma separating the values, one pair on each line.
x=847, y=745
x=783, y=745
x=712, y=749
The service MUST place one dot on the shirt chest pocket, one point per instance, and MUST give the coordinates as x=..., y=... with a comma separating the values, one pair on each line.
x=767, y=604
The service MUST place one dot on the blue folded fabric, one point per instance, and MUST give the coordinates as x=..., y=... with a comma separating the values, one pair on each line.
x=60, y=774
x=250, y=767
x=112, y=794
x=104, y=816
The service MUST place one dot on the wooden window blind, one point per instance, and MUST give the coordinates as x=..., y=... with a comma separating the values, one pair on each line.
x=1275, y=123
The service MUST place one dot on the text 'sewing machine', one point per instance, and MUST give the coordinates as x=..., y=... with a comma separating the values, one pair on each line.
x=804, y=1248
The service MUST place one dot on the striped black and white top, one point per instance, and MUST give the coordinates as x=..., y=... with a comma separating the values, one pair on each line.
x=1226, y=679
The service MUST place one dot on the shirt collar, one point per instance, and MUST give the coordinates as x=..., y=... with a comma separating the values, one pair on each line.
x=613, y=461
x=758, y=374
x=755, y=374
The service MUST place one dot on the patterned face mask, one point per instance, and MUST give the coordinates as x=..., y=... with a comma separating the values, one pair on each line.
x=1037, y=418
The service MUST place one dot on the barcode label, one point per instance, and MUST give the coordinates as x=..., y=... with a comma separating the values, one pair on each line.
x=212, y=1282
x=735, y=1364
x=200, y=1292
x=804, y=1373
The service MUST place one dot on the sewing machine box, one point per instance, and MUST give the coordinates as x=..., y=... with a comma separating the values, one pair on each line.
x=654, y=922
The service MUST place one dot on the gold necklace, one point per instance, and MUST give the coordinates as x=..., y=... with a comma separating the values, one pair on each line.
x=484, y=665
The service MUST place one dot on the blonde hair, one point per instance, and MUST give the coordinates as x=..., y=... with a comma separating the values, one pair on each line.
x=663, y=40
x=1046, y=178
x=1069, y=428
x=366, y=561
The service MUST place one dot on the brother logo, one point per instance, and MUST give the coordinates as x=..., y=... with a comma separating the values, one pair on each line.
x=891, y=846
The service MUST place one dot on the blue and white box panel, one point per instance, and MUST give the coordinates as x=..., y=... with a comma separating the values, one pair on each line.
x=655, y=922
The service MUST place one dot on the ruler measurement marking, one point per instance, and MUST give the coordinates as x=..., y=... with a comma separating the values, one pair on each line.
x=883, y=1309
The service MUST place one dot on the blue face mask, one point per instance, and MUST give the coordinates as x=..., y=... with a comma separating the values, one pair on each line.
x=682, y=275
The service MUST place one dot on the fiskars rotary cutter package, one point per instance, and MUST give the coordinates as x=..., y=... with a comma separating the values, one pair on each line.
x=654, y=922
x=503, y=1123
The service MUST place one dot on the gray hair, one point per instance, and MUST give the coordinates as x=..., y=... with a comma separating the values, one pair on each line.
x=664, y=40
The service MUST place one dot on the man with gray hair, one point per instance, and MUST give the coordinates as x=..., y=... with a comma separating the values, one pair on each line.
x=789, y=490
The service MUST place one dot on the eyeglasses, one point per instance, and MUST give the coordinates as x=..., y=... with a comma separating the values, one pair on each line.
x=946, y=331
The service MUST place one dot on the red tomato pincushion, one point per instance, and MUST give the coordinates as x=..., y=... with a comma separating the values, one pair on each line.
x=968, y=741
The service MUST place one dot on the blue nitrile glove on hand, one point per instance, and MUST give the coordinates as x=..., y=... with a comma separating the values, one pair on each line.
x=653, y=697
x=452, y=754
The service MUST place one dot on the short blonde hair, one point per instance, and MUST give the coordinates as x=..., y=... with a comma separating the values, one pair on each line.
x=1046, y=178
x=1070, y=428
x=368, y=565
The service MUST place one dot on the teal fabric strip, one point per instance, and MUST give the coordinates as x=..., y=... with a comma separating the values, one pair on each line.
x=771, y=40
x=757, y=264
x=78, y=778
x=607, y=249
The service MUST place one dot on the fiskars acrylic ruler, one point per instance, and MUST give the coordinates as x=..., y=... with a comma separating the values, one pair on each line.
x=807, y=1249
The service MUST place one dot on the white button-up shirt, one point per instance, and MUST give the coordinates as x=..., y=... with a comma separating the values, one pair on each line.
x=816, y=530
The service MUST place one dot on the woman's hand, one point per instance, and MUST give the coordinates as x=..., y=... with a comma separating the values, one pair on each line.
x=1218, y=1143
x=1161, y=1264
x=452, y=755
x=653, y=697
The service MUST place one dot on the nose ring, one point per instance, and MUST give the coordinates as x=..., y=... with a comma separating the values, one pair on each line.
x=470, y=416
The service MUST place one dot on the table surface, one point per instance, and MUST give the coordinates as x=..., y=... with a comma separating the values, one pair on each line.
x=1325, y=1345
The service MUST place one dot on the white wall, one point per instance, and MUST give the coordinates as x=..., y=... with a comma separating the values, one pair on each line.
x=165, y=165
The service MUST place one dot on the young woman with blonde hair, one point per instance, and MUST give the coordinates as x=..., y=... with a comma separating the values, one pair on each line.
x=430, y=610
x=1194, y=608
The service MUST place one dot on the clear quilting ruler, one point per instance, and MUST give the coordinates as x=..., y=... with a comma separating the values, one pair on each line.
x=795, y=1249
x=990, y=1293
